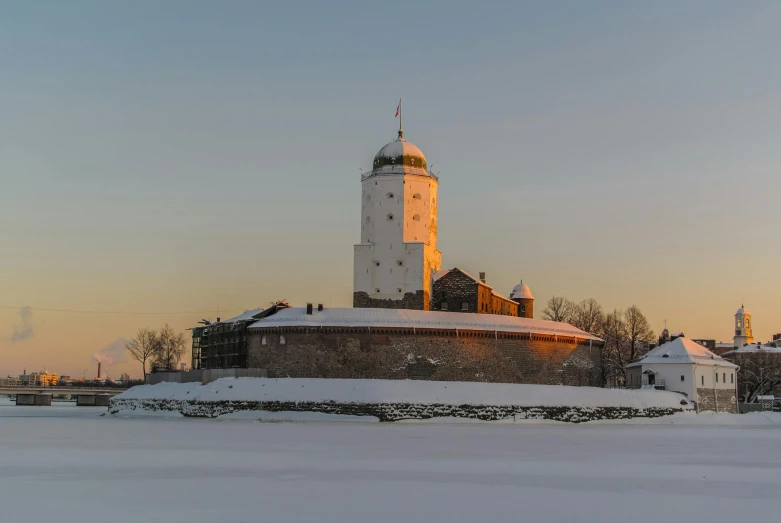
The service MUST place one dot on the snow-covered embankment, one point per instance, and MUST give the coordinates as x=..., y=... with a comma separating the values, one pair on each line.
x=393, y=400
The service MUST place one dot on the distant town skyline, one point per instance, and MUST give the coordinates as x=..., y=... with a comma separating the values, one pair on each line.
x=202, y=158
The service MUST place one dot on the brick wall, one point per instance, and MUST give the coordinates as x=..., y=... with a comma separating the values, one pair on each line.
x=433, y=355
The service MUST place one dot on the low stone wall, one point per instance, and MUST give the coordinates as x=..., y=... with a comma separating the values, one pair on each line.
x=357, y=353
x=394, y=411
x=203, y=376
x=717, y=400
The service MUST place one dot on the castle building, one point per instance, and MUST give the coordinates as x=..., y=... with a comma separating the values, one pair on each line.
x=743, y=334
x=456, y=290
x=397, y=257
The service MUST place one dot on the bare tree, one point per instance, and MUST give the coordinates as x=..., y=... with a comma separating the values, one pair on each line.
x=759, y=374
x=588, y=316
x=638, y=332
x=559, y=309
x=614, y=334
x=143, y=347
x=170, y=348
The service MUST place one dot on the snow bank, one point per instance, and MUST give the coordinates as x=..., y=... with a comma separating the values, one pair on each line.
x=404, y=391
x=392, y=400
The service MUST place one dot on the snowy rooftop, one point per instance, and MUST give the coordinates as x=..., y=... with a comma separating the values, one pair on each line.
x=521, y=291
x=246, y=315
x=756, y=347
x=336, y=317
x=681, y=350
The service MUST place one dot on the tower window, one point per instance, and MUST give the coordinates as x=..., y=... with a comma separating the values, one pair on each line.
x=400, y=263
x=390, y=217
x=417, y=196
x=702, y=379
x=398, y=290
x=377, y=291
x=682, y=377
x=368, y=219
x=390, y=195
x=377, y=263
x=416, y=218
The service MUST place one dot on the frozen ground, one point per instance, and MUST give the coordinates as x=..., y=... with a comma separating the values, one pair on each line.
x=68, y=464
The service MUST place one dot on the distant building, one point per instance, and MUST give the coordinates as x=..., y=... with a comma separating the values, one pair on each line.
x=38, y=379
x=687, y=367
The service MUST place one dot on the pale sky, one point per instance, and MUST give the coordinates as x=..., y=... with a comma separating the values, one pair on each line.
x=185, y=156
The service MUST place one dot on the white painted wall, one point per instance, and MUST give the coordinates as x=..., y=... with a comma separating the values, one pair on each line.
x=695, y=376
x=397, y=253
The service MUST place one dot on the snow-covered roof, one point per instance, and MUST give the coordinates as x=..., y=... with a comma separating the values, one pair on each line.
x=405, y=318
x=521, y=291
x=246, y=315
x=400, y=157
x=755, y=347
x=440, y=273
x=681, y=350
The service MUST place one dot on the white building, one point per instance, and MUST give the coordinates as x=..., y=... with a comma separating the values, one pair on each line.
x=743, y=326
x=397, y=256
x=685, y=366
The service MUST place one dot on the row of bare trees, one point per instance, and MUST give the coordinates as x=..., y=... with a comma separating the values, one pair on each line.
x=164, y=348
x=759, y=374
x=627, y=333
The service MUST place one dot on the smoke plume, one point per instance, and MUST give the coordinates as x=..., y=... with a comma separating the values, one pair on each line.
x=23, y=330
x=113, y=353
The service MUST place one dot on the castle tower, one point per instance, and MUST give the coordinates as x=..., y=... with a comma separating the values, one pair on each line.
x=397, y=258
x=522, y=295
x=743, y=327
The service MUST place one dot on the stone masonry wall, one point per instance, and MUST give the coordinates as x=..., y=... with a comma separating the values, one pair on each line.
x=716, y=400
x=454, y=288
x=470, y=356
x=416, y=301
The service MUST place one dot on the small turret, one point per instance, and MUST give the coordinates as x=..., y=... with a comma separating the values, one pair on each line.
x=522, y=295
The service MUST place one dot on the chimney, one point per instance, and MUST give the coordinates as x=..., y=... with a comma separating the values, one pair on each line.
x=309, y=309
x=98, y=370
x=320, y=307
x=482, y=277
x=218, y=319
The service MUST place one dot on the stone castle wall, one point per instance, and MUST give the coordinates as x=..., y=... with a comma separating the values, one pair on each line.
x=357, y=353
x=717, y=400
x=416, y=301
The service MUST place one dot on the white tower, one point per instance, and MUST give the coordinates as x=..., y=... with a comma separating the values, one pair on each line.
x=743, y=327
x=397, y=257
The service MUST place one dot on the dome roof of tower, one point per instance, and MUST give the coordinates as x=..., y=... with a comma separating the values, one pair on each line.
x=521, y=291
x=400, y=157
x=742, y=310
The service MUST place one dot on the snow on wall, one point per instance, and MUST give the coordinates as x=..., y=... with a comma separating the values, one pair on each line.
x=391, y=400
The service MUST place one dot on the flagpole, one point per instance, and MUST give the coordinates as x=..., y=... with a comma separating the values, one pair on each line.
x=401, y=133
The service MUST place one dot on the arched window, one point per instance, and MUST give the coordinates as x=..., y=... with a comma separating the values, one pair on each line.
x=390, y=195
x=417, y=196
x=263, y=341
x=281, y=339
x=416, y=218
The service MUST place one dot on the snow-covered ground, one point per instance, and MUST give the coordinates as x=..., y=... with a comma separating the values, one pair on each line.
x=66, y=463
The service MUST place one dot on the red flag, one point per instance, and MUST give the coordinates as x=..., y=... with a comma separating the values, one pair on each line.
x=398, y=108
